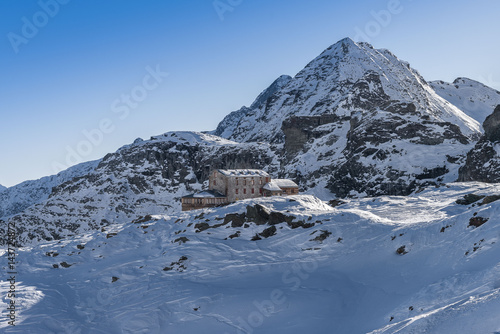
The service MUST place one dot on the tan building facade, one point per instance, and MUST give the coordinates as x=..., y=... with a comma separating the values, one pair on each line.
x=238, y=184
x=204, y=199
x=231, y=185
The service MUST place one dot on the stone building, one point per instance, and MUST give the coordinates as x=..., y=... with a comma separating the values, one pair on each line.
x=230, y=185
x=204, y=199
x=280, y=187
x=238, y=184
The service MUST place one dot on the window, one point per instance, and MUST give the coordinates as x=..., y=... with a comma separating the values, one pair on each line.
x=260, y=181
x=237, y=191
x=252, y=182
x=237, y=181
x=244, y=182
x=260, y=191
x=245, y=191
x=267, y=180
x=253, y=191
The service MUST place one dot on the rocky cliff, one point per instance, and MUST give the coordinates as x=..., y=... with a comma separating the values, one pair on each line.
x=483, y=161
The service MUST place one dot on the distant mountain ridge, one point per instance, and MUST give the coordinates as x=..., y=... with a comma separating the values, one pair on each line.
x=17, y=198
x=473, y=98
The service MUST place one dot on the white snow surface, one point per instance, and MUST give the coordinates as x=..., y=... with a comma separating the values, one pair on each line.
x=351, y=282
x=473, y=98
x=285, y=183
x=243, y=172
x=204, y=194
x=272, y=186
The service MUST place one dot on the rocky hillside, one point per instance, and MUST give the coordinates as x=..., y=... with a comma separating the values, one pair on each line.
x=18, y=198
x=473, y=98
x=483, y=161
x=359, y=121
x=146, y=177
x=2, y=188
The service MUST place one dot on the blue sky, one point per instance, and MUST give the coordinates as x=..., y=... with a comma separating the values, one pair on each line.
x=71, y=73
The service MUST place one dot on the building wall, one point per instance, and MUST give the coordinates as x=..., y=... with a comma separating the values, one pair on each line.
x=290, y=191
x=199, y=203
x=237, y=188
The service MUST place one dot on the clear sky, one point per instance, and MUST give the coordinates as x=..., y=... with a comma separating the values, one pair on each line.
x=140, y=68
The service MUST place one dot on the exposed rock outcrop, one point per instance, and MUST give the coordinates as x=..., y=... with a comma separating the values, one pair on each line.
x=483, y=161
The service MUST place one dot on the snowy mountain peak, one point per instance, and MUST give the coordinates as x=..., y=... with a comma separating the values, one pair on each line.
x=472, y=97
x=277, y=85
x=2, y=188
x=346, y=79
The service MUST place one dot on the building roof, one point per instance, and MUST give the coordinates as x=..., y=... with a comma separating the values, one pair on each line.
x=271, y=186
x=285, y=183
x=243, y=172
x=205, y=194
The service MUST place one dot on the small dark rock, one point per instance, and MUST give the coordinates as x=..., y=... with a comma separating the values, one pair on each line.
x=401, y=250
x=322, y=237
x=477, y=221
x=469, y=199
x=181, y=240
x=256, y=237
x=65, y=265
x=268, y=232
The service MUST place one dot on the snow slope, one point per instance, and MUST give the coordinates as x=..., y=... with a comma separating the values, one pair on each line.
x=325, y=270
x=473, y=98
x=16, y=199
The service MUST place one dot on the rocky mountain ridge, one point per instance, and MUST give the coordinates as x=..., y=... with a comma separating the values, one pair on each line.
x=473, y=98
x=355, y=122
x=18, y=198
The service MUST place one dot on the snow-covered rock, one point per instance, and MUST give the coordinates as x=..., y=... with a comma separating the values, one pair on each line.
x=2, y=188
x=18, y=198
x=474, y=98
x=483, y=161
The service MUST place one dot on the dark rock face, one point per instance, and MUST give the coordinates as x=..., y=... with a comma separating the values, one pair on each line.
x=483, y=161
x=492, y=126
x=299, y=130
